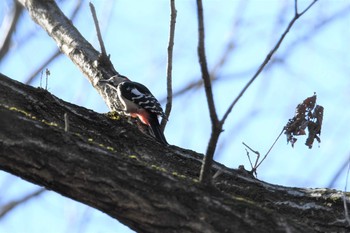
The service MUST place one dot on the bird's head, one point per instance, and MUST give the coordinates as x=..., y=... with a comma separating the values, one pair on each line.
x=113, y=81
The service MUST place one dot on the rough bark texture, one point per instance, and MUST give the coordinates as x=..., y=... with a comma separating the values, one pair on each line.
x=108, y=164
x=70, y=42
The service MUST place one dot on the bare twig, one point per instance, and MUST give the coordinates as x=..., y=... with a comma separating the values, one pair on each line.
x=228, y=48
x=305, y=10
x=231, y=42
x=32, y=77
x=258, y=164
x=54, y=55
x=344, y=165
x=8, y=27
x=216, y=127
x=103, y=58
x=66, y=122
x=255, y=152
x=47, y=74
x=346, y=212
x=267, y=59
x=320, y=24
x=203, y=65
x=216, y=124
x=295, y=6
x=250, y=161
x=13, y=204
x=199, y=82
x=98, y=31
x=170, y=64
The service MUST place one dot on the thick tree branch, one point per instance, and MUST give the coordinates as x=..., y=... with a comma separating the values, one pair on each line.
x=111, y=166
x=55, y=54
x=69, y=41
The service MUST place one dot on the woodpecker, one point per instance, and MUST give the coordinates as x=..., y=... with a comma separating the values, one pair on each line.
x=108, y=87
x=137, y=101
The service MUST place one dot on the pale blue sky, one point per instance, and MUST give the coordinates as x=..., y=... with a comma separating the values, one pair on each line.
x=313, y=58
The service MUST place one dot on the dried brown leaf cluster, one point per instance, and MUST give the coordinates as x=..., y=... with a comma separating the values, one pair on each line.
x=307, y=115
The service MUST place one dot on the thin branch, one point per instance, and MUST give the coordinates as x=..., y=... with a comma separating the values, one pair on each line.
x=346, y=212
x=216, y=124
x=295, y=7
x=47, y=74
x=103, y=58
x=307, y=8
x=265, y=62
x=13, y=204
x=250, y=161
x=228, y=48
x=231, y=42
x=216, y=127
x=170, y=64
x=56, y=53
x=98, y=31
x=66, y=122
x=34, y=75
x=203, y=65
x=257, y=165
x=255, y=152
x=8, y=27
x=339, y=173
x=198, y=83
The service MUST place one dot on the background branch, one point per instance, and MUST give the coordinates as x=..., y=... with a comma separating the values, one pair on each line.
x=70, y=41
x=266, y=61
x=5, y=209
x=170, y=64
x=216, y=124
x=55, y=54
x=8, y=27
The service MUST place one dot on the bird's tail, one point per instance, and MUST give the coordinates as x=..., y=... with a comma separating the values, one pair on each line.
x=157, y=132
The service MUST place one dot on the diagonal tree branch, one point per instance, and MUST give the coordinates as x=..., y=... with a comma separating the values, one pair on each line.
x=111, y=166
x=69, y=41
x=55, y=54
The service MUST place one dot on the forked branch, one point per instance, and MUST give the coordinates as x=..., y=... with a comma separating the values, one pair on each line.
x=216, y=123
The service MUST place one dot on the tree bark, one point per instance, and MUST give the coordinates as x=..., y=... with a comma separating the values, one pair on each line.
x=110, y=165
x=48, y=15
